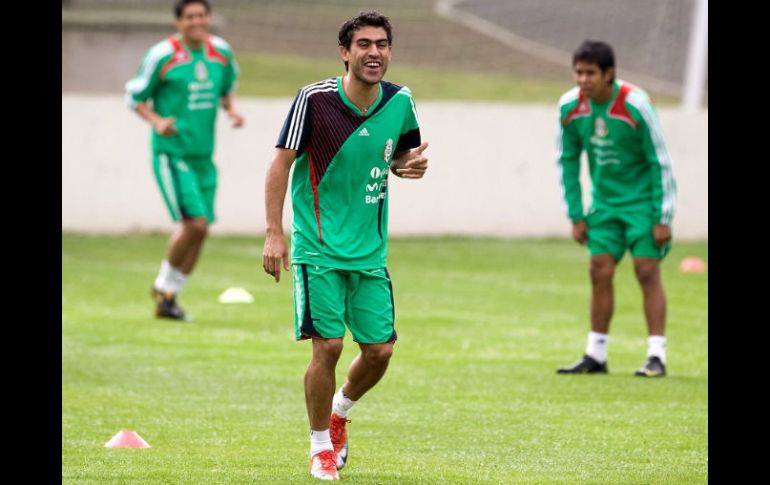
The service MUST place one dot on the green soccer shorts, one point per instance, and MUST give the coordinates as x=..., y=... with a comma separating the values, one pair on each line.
x=188, y=185
x=612, y=232
x=326, y=300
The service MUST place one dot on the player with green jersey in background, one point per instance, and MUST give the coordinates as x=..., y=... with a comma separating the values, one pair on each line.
x=343, y=135
x=633, y=196
x=178, y=89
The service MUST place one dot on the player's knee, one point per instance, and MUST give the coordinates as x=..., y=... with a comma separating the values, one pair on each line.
x=197, y=228
x=647, y=272
x=601, y=271
x=379, y=354
x=327, y=351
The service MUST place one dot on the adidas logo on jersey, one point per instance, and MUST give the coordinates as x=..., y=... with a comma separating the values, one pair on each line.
x=363, y=132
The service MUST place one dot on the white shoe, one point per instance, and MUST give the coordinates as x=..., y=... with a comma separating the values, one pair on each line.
x=323, y=465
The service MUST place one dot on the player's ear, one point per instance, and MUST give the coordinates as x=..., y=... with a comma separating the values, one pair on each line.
x=344, y=53
x=609, y=74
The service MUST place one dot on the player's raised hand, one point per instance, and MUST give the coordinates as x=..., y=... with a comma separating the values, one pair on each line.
x=414, y=164
x=165, y=126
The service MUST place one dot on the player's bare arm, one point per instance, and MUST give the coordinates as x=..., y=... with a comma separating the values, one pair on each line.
x=275, y=253
x=411, y=164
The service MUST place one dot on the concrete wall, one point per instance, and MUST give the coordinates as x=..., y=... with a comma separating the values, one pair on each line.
x=492, y=170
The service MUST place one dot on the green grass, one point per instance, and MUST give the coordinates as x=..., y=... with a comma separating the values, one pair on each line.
x=273, y=75
x=471, y=395
x=282, y=75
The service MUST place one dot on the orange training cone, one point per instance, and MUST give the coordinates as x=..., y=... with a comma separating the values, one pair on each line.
x=692, y=265
x=126, y=439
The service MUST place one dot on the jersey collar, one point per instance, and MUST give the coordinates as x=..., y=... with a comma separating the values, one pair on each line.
x=352, y=106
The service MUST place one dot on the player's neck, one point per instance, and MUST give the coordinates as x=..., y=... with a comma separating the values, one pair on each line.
x=192, y=43
x=605, y=94
x=360, y=94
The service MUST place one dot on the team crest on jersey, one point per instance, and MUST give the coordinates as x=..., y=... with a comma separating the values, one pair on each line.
x=201, y=73
x=388, y=151
x=600, y=127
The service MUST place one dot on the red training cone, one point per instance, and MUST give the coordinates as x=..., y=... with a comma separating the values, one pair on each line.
x=126, y=439
x=692, y=265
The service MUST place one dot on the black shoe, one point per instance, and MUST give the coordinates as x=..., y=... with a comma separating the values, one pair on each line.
x=586, y=365
x=654, y=367
x=166, y=306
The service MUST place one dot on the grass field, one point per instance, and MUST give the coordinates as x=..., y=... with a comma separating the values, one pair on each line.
x=270, y=75
x=471, y=395
x=282, y=75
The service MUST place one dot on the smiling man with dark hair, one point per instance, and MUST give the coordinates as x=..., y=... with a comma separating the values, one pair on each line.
x=343, y=135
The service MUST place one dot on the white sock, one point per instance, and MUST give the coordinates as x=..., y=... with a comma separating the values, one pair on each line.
x=162, y=281
x=179, y=279
x=597, y=346
x=170, y=278
x=656, y=345
x=341, y=404
x=320, y=441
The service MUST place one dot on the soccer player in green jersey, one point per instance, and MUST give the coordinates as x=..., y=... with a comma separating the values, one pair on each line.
x=633, y=196
x=343, y=135
x=178, y=89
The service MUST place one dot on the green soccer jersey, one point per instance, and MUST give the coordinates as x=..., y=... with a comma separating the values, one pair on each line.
x=186, y=84
x=340, y=179
x=628, y=161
